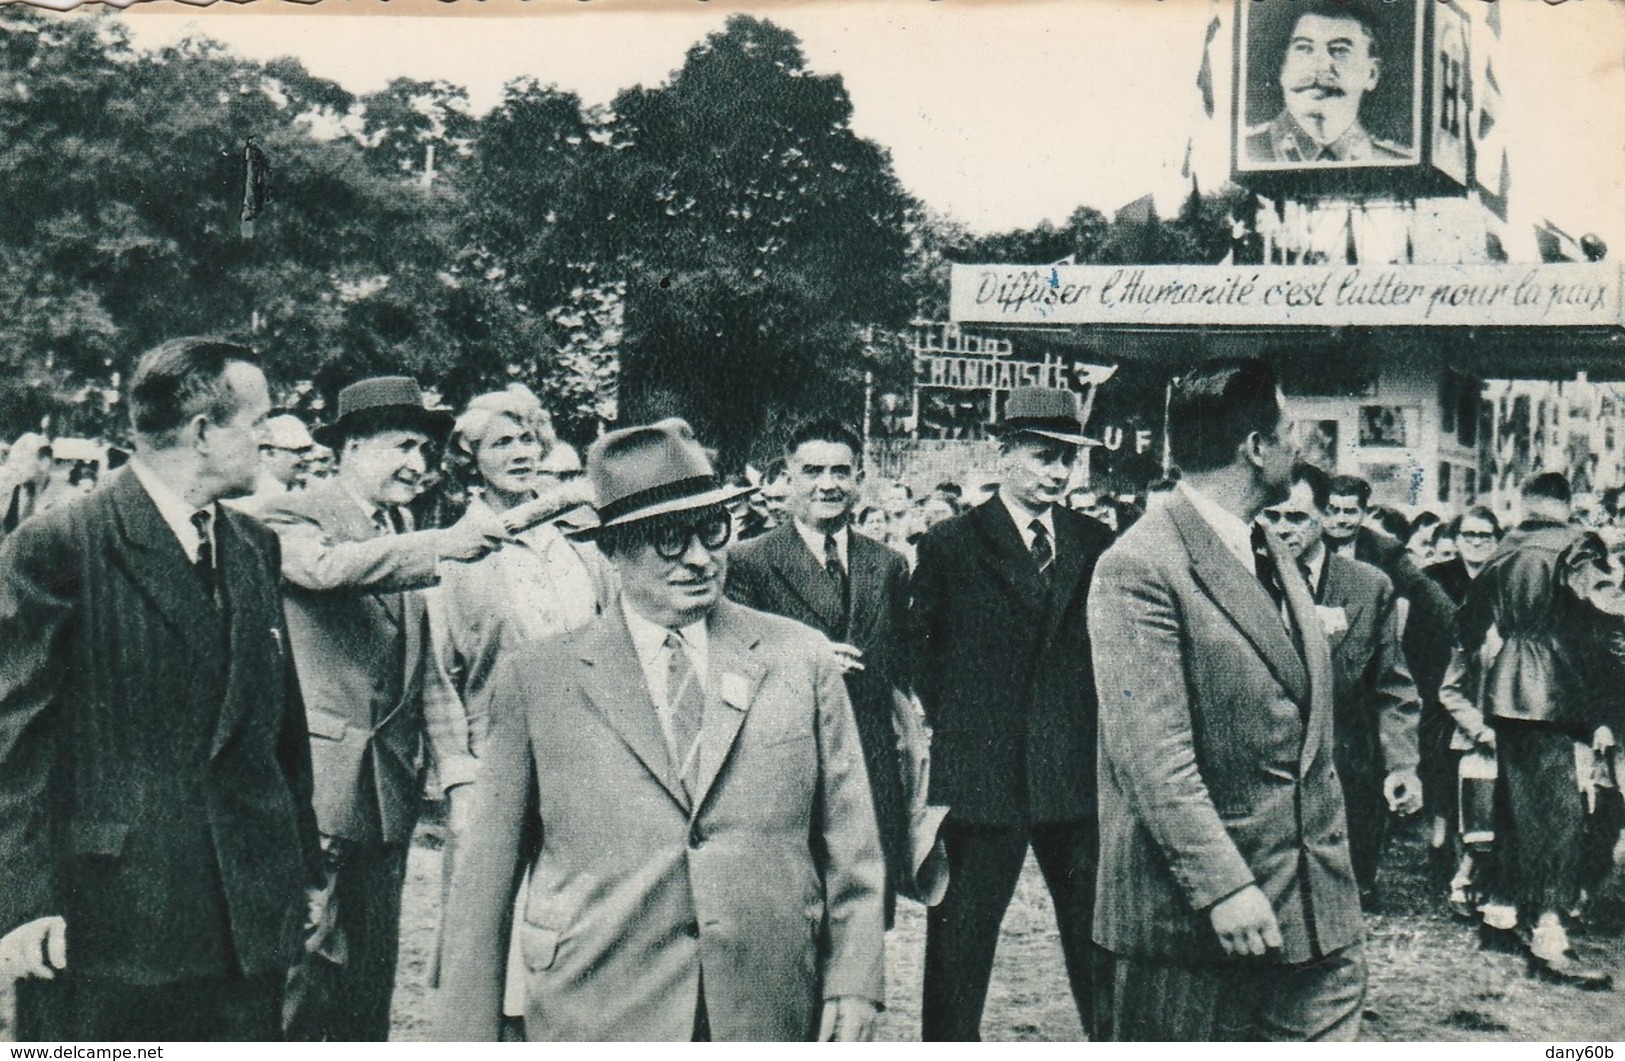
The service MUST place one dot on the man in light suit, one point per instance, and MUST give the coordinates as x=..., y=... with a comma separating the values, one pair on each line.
x=816, y=570
x=705, y=863
x=1227, y=898
x=1375, y=702
x=361, y=640
x=156, y=834
x=1004, y=674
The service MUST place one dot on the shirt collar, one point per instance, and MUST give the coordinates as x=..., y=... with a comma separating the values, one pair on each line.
x=815, y=541
x=1024, y=520
x=649, y=639
x=173, y=509
x=1236, y=536
x=1315, y=562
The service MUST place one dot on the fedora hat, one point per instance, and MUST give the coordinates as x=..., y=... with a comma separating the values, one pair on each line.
x=652, y=470
x=383, y=402
x=1047, y=412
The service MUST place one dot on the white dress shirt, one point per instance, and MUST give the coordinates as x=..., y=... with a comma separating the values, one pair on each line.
x=649, y=641
x=1024, y=522
x=815, y=542
x=1231, y=529
x=176, y=513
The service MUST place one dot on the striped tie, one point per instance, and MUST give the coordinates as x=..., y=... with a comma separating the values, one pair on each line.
x=685, y=707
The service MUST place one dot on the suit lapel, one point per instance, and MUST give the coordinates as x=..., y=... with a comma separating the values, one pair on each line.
x=239, y=574
x=1240, y=596
x=734, y=675
x=613, y=680
x=1007, y=553
x=867, y=560
x=1317, y=657
x=159, y=567
x=805, y=576
x=1069, y=561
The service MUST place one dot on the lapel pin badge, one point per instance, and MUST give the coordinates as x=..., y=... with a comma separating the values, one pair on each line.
x=736, y=691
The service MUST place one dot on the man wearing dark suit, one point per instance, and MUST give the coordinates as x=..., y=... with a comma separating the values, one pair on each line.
x=1004, y=674
x=1426, y=634
x=817, y=570
x=1375, y=706
x=156, y=832
x=1226, y=894
x=360, y=636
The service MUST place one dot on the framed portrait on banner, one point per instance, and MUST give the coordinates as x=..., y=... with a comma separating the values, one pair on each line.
x=1328, y=85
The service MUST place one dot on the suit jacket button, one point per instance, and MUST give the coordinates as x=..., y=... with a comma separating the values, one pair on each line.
x=1334, y=836
x=692, y=930
x=696, y=839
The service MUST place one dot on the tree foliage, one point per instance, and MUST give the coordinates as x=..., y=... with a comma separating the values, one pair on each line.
x=722, y=246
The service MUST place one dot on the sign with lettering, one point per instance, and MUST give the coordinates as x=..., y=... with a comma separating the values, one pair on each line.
x=1558, y=295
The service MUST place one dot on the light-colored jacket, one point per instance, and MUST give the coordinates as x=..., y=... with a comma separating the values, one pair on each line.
x=1216, y=763
x=538, y=586
x=767, y=887
x=361, y=643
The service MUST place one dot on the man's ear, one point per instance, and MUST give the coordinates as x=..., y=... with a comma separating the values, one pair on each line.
x=198, y=429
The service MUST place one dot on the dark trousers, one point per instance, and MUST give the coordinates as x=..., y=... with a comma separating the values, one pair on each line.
x=961, y=933
x=234, y=1009
x=1368, y=827
x=1548, y=814
x=1241, y=1001
x=340, y=991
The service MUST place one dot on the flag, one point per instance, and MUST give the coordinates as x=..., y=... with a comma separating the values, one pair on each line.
x=1204, y=76
x=255, y=169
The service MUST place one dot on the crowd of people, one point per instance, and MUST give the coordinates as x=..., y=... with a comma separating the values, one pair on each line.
x=698, y=735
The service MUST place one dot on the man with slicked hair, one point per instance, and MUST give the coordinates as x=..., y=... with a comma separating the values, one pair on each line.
x=1227, y=898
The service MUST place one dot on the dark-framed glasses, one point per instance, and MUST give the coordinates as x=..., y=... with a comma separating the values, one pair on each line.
x=1277, y=516
x=670, y=538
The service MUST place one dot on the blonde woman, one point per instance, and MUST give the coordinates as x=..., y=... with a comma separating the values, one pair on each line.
x=538, y=585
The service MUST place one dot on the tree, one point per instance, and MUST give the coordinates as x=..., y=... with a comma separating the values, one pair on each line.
x=760, y=240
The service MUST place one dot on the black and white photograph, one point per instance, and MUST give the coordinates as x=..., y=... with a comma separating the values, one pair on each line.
x=1062, y=520
x=1329, y=85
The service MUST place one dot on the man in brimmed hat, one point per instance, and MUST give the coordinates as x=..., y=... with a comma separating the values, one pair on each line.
x=1005, y=678
x=708, y=864
x=360, y=636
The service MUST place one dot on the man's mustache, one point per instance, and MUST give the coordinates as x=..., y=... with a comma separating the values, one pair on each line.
x=1330, y=88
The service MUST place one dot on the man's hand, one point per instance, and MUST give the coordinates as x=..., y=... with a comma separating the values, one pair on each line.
x=476, y=534
x=1403, y=791
x=847, y=1020
x=1245, y=923
x=36, y=949
x=1602, y=742
x=848, y=657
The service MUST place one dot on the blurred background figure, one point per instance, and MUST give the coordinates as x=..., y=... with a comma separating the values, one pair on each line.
x=1476, y=533
x=871, y=522
x=1418, y=537
x=776, y=494
x=950, y=491
x=284, y=448
x=936, y=508
x=320, y=463
x=979, y=487
x=283, y=454
x=23, y=479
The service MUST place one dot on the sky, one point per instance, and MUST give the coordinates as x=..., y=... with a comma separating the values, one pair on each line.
x=996, y=114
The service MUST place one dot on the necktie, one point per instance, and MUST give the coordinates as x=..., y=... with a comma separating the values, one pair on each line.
x=685, y=706
x=1043, y=552
x=837, y=574
x=203, y=563
x=1264, y=567
x=386, y=519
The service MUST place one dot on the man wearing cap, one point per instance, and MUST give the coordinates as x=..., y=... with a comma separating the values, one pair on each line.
x=1004, y=674
x=282, y=459
x=705, y=863
x=360, y=637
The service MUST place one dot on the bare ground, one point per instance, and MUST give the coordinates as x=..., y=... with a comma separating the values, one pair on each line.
x=1429, y=980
